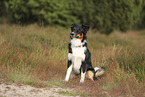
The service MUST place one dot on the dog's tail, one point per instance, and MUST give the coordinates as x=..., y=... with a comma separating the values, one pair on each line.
x=98, y=72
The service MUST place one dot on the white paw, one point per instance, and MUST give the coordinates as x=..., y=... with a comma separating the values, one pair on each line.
x=81, y=81
x=66, y=80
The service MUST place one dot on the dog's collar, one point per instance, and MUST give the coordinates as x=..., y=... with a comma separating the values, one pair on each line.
x=78, y=46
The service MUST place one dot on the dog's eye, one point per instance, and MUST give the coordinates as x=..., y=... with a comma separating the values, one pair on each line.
x=74, y=28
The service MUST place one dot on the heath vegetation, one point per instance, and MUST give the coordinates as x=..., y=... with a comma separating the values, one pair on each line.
x=37, y=56
x=34, y=36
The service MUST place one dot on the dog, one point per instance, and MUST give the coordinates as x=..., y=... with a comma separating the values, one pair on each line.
x=79, y=56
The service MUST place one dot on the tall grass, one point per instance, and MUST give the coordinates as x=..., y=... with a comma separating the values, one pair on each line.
x=32, y=52
x=38, y=55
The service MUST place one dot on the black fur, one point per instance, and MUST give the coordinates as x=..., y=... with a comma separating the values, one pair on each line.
x=79, y=56
x=81, y=29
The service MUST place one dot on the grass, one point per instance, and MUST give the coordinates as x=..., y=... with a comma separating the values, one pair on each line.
x=38, y=56
x=71, y=93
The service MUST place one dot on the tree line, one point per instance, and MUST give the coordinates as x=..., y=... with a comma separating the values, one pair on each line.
x=102, y=15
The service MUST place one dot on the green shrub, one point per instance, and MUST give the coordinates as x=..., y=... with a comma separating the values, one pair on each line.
x=46, y=12
x=103, y=15
x=141, y=23
x=107, y=16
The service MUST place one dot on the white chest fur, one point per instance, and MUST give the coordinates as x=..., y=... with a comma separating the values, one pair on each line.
x=78, y=54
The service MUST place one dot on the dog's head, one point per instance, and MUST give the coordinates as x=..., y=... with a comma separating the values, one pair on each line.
x=78, y=31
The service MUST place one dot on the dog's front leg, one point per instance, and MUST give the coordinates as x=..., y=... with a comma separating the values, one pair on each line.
x=82, y=77
x=69, y=70
x=83, y=72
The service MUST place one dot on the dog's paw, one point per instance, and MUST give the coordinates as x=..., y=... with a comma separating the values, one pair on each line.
x=81, y=81
x=66, y=80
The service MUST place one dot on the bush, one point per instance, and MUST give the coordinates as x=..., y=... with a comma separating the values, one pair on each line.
x=119, y=15
x=2, y=10
x=106, y=15
x=103, y=15
x=141, y=23
x=48, y=12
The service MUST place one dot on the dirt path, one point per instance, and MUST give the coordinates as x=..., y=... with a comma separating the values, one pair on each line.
x=14, y=90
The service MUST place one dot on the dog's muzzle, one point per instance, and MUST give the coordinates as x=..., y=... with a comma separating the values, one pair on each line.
x=74, y=35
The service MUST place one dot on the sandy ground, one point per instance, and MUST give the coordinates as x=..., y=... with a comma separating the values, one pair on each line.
x=14, y=90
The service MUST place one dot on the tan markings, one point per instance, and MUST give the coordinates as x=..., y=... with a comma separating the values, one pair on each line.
x=80, y=36
x=90, y=75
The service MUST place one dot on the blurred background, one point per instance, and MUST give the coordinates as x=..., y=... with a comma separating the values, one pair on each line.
x=103, y=15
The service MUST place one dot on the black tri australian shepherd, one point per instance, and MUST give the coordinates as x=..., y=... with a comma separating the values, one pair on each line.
x=79, y=56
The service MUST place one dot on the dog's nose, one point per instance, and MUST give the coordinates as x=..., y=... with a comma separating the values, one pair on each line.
x=73, y=34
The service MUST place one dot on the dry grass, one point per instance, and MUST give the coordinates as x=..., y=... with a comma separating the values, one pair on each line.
x=38, y=55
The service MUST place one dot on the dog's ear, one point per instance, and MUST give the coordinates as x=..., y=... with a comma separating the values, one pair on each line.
x=72, y=27
x=85, y=27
